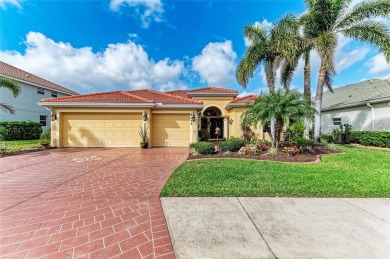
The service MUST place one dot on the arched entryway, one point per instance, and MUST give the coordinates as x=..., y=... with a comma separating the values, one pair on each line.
x=211, y=119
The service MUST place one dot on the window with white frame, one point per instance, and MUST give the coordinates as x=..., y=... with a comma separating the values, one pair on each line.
x=336, y=121
x=43, y=120
x=40, y=90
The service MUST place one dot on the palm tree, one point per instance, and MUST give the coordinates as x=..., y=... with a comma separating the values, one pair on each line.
x=268, y=49
x=323, y=22
x=284, y=105
x=14, y=87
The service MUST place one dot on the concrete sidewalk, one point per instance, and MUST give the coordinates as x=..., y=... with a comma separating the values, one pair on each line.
x=278, y=227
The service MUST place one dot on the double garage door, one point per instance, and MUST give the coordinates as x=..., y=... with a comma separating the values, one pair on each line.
x=122, y=129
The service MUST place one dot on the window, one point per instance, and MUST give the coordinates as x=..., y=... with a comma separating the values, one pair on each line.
x=42, y=120
x=40, y=90
x=53, y=94
x=336, y=121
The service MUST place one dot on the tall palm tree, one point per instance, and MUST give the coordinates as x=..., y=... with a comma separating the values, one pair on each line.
x=268, y=49
x=324, y=21
x=14, y=87
x=284, y=105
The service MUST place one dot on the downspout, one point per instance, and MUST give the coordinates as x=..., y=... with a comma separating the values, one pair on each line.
x=372, y=117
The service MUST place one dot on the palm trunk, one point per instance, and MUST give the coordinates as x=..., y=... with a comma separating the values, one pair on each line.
x=271, y=86
x=318, y=103
x=307, y=90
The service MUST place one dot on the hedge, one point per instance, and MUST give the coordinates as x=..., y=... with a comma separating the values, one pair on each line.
x=202, y=147
x=20, y=130
x=369, y=138
x=232, y=144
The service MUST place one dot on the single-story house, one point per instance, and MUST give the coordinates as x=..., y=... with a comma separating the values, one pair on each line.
x=114, y=119
x=33, y=89
x=364, y=105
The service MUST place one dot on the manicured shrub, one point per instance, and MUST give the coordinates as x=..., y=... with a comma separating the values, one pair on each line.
x=296, y=129
x=20, y=130
x=202, y=147
x=369, y=138
x=232, y=144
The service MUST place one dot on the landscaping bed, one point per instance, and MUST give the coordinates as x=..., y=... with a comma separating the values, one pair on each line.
x=280, y=156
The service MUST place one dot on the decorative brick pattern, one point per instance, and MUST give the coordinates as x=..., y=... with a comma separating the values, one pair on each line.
x=55, y=207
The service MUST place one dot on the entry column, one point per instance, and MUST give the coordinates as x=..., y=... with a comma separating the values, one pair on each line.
x=225, y=127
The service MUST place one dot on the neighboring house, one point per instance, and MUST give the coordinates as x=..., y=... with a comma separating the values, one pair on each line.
x=114, y=119
x=33, y=89
x=364, y=105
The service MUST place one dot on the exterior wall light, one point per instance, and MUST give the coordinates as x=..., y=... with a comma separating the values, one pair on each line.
x=231, y=121
x=53, y=116
x=144, y=116
x=192, y=118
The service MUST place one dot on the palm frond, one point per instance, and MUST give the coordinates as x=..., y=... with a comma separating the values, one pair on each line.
x=364, y=10
x=11, y=85
x=372, y=32
x=326, y=45
x=7, y=108
x=255, y=34
x=288, y=69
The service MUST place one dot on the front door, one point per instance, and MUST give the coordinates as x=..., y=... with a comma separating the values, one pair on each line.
x=214, y=123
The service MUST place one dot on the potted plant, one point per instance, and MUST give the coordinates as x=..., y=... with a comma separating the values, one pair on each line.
x=45, y=139
x=144, y=137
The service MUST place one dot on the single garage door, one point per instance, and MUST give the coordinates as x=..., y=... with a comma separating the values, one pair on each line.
x=100, y=129
x=170, y=130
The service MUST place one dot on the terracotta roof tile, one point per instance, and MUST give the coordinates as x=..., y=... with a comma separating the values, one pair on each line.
x=182, y=93
x=244, y=99
x=213, y=90
x=164, y=98
x=107, y=97
x=16, y=73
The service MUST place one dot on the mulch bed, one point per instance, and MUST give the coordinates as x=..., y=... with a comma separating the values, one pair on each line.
x=280, y=156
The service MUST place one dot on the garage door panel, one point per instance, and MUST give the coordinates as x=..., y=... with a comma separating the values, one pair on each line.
x=170, y=130
x=101, y=129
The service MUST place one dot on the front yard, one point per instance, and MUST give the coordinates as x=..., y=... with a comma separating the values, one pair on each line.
x=359, y=172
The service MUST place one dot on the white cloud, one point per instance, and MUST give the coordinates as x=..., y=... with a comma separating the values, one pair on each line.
x=216, y=64
x=378, y=67
x=120, y=66
x=264, y=24
x=17, y=3
x=148, y=11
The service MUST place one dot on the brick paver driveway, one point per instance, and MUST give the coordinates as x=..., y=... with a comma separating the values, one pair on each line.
x=96, y=203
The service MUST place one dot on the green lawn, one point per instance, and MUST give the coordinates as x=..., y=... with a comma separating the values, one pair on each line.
x=16, y=145
x=357, y=173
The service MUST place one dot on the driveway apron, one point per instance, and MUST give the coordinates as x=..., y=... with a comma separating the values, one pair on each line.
x=86, y=203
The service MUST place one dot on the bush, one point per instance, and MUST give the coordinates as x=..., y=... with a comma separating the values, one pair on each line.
x=263, y=147
x=303, y=142
x=369, y=138
x=20, y=130
x=232, y=144
x=202, y=147
x=296, y=130
x=46, y=136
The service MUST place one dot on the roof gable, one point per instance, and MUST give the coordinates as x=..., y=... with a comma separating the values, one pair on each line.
x=19, y=74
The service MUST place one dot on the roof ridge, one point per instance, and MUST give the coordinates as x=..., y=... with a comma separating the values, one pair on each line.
x=82, y=95
x=24, y=71
x=212, y=87
x=137, y=96
x=171, y=95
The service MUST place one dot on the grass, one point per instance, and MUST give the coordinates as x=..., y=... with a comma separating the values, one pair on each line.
x=17, y=145
x=358, y=172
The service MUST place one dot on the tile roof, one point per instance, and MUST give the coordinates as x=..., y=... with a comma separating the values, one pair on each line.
x=244, y=99
x=213, y=90
x=164, y=98
x=365, y=91
x=107, y=97
x=136, y=96
x=19, y=74
x=182, y=93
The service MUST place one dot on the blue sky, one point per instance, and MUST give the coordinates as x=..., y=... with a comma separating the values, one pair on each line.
x=92, y=46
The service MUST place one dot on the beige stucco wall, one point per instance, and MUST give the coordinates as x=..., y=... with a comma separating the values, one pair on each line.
x=359, y=117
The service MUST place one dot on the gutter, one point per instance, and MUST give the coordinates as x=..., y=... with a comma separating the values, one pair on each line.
x=63, y=104
x=364, y=103
x=235, y=105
